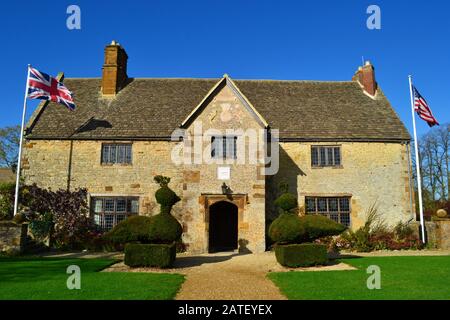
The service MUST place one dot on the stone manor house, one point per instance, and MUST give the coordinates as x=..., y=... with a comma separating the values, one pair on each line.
x=341, y=149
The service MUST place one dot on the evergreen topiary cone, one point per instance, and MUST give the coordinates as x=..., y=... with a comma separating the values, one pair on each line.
x=164, y=228
x=287, y=228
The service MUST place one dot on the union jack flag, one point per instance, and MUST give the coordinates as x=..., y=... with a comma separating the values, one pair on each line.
x=42, y=86
x=422, y=108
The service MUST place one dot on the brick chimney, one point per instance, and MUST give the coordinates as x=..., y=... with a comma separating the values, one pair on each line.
x=114, y=75
x=366, y=78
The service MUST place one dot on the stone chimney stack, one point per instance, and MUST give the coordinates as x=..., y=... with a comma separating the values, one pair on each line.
x=366, y=78
x=114, y=75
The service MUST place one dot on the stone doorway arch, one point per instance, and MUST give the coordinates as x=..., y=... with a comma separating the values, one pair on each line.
x=223, y=226
x=238, y=200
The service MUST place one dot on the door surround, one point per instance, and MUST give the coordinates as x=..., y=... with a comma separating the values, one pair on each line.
x=207, y=200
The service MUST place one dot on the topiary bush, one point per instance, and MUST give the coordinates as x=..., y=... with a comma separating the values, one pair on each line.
x=165, y=196
x=289, y=231
x=159, y=233
x=287, y=228
x=316, y=226
x=164, y=228
x=301, y=255
x=132, y=229
x=286, y=202
x=150, y=255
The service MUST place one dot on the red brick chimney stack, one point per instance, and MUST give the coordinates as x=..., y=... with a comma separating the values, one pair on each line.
x=114, y=75
x=366, y=78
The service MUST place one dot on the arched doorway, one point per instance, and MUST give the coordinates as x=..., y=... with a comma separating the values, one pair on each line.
x=223, y=226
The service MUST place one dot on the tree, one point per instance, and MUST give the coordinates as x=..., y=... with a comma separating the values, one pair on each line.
x=9, y=146
x=434, y=165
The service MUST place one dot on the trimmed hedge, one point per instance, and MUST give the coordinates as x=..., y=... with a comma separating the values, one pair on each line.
x=150, y=255
x=291, y=228
x=317, y=226
x=287, y=201
x=164, y=228
x=166, y=197
x=132, y=229
x=301, y=255
x=287, y=228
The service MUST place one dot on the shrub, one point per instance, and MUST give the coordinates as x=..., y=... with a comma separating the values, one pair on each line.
x=316, y=226
x=301, y=255
x=403, y=230
x=132, y=229
x=358, y=240
x=287, y=228
x=99, y=242
x=7, y=191
x=42, y=228
x=150, y=255
x=164, y=228
x=69, y=210
x=166, y=197
x=374, y=235
x=287, y=202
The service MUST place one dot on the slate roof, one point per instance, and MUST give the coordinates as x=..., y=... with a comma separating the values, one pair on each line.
x=153, y=108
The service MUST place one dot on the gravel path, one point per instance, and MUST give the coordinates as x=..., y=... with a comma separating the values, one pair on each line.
x=227, y=276
x=230, y=276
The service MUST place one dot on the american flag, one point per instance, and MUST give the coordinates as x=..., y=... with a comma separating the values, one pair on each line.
x=422, y=108
x=42, y=86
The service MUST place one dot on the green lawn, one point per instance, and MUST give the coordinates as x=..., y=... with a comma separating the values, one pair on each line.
x=401, y=278
x=45, y=278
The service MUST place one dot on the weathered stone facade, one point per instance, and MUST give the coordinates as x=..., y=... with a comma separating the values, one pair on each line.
x=223, y=113
x=74, y=164
x=370, y=172
x=64, y=148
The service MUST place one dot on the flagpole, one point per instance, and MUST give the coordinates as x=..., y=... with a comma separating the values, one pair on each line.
x=19, y=160
x=419, y=179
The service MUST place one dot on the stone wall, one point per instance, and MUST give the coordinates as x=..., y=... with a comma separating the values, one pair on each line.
x=77, y=164
x=12, y=237
x=437, y=233
x=370, y=173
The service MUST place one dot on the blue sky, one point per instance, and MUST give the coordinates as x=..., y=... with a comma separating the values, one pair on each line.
x=248, y=39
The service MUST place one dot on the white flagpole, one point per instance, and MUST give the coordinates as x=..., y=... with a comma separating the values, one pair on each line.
x=19, y=160
x=419, y=179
